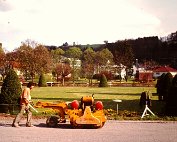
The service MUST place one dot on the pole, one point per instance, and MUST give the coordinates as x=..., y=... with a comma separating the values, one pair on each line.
x=117, y=108
x=32, y=107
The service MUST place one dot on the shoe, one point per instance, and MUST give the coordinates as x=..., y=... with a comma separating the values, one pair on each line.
x=62, y=121
x=27, y=125
x=15, y=125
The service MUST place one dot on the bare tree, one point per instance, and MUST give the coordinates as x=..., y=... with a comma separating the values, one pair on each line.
x=88, y=63
x=102, y=58
x=56, y=55
x=2, y=62
x=33, y=58
x=62, y=70
x=74, y=53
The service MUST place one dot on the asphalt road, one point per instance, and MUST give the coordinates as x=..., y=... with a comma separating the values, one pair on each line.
x=113, y=131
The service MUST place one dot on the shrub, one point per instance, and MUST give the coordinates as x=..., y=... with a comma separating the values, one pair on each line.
x=160, y=86
x=171, y=102
x=11, y=88
x=174, y=81
x=103, y=81
x=167, y=83
x=145, y=99
x=42, y=81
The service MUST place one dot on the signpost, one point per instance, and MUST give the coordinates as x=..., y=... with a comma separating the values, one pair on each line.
x=117, y=101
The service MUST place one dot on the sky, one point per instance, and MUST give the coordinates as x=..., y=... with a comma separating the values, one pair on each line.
x=54, y=22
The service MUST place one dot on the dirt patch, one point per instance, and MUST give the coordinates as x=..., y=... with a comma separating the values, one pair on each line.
x=4, y=116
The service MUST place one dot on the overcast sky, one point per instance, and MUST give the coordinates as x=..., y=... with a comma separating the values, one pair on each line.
x=54, y=22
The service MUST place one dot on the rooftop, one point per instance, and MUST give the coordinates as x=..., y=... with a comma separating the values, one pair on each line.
x=164, y=69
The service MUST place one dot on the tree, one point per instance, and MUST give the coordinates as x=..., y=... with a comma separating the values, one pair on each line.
x=160, y=86
x=56, y=55
x=122, y=52
x=24, y=58
x=42, y=81
x=103, y=56
x=174, y=81
x=62, y=70
x=74, y=53
x=171, y=101
x=103, y=81
x=11, y=88
x=42, y=59
x=167, y=84
x=150, y=64
x=2, y=62
x=33, y=58
x=88, y=63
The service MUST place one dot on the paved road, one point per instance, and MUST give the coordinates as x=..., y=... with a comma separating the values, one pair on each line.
x=113, y=131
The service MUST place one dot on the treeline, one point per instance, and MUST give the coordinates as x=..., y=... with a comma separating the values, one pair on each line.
x=161, y=50
x=32, y=59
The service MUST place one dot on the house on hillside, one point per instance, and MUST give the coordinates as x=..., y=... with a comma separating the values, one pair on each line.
x=157, y=72
x=77, y=63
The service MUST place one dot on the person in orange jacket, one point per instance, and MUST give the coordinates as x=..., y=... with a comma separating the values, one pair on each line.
x=25, y=100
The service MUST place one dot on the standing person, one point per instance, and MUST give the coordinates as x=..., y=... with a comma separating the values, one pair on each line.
x=25, y=99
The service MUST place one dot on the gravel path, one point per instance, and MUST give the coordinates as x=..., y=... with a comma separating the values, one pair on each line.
x=113, y=131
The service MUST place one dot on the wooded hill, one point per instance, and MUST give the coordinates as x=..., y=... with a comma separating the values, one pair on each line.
x=161, y=50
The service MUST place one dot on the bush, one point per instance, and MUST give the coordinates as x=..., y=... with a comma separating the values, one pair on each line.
x=167, y=84
x=42, y=81
x=103, y=81
x=160, y=86
x=145, y=99
x=11, y=88
x=174, y=81
x=163, y=85
x=171, y=102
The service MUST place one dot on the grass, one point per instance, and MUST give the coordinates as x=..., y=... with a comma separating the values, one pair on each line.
x=55, y=93
x=128, y=109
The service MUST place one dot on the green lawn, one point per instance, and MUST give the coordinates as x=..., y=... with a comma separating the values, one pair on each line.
x=129, y=95
x=129, y=108
x=106, y=93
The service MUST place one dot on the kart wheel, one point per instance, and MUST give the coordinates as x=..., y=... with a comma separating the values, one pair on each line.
x=52, y=121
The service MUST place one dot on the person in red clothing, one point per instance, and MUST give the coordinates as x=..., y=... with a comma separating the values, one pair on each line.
x=25, y=100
